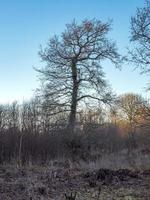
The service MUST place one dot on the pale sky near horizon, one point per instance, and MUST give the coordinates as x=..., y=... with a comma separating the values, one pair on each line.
x=25, y=24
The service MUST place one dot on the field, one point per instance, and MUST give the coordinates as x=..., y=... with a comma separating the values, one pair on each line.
x=60, y=182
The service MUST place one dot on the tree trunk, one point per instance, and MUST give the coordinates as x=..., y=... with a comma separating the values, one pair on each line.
x=72, y=116
x=132, y=134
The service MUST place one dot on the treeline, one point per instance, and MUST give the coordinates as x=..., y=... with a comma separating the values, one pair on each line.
x=28, y=134
x=129, y=110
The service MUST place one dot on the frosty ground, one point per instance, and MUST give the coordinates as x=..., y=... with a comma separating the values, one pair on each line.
x=55, y=183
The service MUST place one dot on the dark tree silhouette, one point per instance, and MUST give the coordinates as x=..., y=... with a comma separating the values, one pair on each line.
x=140, y=37
x=73, y=71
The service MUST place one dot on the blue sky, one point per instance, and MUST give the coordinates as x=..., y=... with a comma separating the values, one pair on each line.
x=25, y=24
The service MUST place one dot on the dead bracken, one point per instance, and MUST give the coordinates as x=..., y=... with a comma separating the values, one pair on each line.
x=73, y=184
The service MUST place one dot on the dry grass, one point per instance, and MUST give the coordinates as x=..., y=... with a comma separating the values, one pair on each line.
x=49, y=183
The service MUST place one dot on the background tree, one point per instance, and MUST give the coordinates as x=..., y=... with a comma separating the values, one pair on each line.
x=113, y=115
x=30, y=116
x=145, y=115
x=130, y=106
x=13, y=113
x=3, y=117
x=73, y=71
x=140, y=37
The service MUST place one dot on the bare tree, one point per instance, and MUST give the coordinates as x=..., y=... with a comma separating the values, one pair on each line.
x=140, y=37
x=3, y=117
x=131, y=106
x=13, y=111
x=73, y=71
x=9, y=116
x=29, y=116
x=113, y=112
x=145, y=115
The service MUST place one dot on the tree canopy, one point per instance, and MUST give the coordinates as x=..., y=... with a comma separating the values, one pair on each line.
x=73, y=70
x=140, y=38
